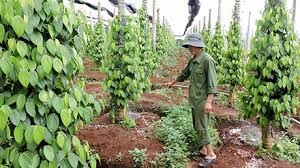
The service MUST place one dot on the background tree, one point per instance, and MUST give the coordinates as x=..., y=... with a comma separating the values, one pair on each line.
x=231, y=65
x=273, y=73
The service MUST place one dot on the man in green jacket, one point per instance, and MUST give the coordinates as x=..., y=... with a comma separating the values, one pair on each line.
x=203, y=82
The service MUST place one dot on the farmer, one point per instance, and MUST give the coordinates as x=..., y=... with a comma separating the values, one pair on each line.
x=203, y=81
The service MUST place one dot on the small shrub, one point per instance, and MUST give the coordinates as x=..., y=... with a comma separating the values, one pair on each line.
x=128, y=123
x=139, y=157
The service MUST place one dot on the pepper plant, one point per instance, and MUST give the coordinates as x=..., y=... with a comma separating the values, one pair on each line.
x=165, y=41
x=217, y=45
x=271, y=84
x=231, y=65
x=149, y=60
x=97, y=43
x=206, y=34
x=122, y=65
x=40, y=107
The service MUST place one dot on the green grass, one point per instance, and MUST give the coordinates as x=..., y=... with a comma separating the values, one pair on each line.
x=284, y=148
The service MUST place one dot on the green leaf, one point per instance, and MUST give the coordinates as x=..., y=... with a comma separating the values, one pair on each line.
x=22, y=48
x=33, y=79
x=46, y=63
x=14, y=117
x=51, y=46
x=72, y=103
x=73, y=159
x=75, y=141
x=43, y=96
x=24, y=78
x=44, y=164
x=49, y=152
x=19, y=133
x=38, y=134
x=57, y=65
x=78, y=43
x=29, y=135
x=18, y=25
x=36, y=37
x=61, y=139
x=12, y=44
x=58, y=104
x=3, y=120
x=52, y=122
x=30, y=107
x=25, y=159
x=2, y=33
x=66, y=21
x=78, y=94
x=51, y=31
x=80, y=151
x=21, y=102
x=38, y=5
x=66, y=117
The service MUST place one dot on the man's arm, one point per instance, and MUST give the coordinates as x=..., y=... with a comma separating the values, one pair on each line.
x=211, y=85
x=182, y=77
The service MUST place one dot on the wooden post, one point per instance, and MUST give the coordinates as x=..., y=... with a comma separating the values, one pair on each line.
x=238, y=8
x=199, y=27
x=145, y=2
x=248, y=33
x=164, y=21
x=115, y=12
x=294, y=12
x=91, y=18
x=99, y=10
x=154, y=25
x=204, y=26
x=158, y=16
x=219, y=11
x=121, y=7
x=209, y=20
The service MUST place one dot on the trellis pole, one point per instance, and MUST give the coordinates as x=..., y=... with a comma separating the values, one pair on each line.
x=154, y=24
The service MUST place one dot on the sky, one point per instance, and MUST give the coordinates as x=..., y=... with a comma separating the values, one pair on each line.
x=176, y=12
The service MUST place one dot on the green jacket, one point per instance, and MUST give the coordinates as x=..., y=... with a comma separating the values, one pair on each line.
x=202, y=74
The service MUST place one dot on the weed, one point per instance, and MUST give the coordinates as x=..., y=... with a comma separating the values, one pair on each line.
x=139, y=156
x=128, y=123
x=177, y=133
x=284, y=148
x=224, y=99
x=287, y=149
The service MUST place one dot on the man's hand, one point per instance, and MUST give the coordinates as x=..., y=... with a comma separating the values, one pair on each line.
x=170, y=84
x=208, y=107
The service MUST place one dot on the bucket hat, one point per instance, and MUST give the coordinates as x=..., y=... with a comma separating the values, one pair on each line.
x=194, y=40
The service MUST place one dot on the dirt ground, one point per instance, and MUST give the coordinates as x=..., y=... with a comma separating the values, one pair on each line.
x=112, y=142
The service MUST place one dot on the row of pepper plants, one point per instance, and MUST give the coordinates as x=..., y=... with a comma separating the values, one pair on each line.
x=41, y=105
x=131, y=59
x=270, y=86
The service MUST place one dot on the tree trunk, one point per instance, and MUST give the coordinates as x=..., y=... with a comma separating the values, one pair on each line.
x=121, y=114
x=267, y=139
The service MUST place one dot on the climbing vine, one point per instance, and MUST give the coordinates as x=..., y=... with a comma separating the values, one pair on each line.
x=97, y=43
x=122, y=65
x=40, y=107
x=272, y=80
